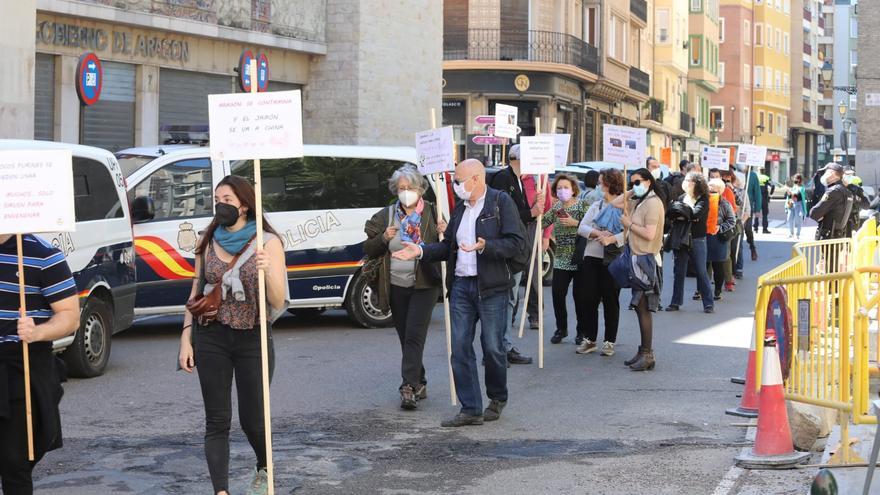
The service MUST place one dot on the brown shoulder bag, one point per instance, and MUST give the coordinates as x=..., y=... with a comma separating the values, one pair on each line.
x=204, y=307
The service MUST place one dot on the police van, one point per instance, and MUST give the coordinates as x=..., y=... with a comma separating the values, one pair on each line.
x=318, y=204
x=100, y=253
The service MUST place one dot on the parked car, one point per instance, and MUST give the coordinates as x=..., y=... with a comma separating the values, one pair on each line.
x=100, y=253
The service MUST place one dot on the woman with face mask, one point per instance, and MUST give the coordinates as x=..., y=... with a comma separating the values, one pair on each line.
x=720, y=228
x=228, y=260
x=695, y=201
x=408, y=288
x=795, y=206
x=565, y=215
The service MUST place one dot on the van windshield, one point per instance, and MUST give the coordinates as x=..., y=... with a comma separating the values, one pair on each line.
x=132, y=163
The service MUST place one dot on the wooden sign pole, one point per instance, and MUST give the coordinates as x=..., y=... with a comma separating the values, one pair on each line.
x=542, y=185
x=441, y=199
x=536, y=248
x=261, y=284
x=25, y=355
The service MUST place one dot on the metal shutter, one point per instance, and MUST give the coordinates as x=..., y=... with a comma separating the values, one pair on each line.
x=109, y=124
x=44, y=97
x=183, y=95
x=283, y=86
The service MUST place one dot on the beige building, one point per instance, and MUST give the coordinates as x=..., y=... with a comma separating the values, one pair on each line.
x=807, y=87
x=705, y=68
x=161, y=59
x=665, y=113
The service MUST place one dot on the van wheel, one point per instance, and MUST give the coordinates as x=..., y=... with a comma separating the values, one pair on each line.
x=362, y=305
x=88, y=355
x=547, y=267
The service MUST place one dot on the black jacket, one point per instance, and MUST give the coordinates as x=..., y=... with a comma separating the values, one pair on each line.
x=499, y=225
x=699, y=218
x=507, y=181
x=832, y=211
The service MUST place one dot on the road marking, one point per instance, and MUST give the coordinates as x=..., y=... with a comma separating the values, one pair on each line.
x=728, y=482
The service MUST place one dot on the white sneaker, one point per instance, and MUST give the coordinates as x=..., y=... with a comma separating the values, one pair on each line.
x=607, y=349
x=260, y=483
x=586, y=347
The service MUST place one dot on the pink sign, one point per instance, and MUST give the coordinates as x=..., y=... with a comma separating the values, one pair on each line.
x=485, y=119
x=489, y=140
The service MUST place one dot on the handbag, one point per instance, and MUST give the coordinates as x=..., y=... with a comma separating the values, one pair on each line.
x=204, y=307
x=373, y=266
x=620, y=268
x=612, y=252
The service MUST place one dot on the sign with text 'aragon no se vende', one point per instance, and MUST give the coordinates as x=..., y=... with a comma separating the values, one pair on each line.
x=246, y=126
x=36, y=191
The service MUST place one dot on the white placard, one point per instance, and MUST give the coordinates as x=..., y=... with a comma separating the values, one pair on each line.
x=434, y=151
x=751, y=155
x=505, y=121
x=692, y=145
x=36, y=191
x=255, y=125
x=538, y=154
x=624, y=145
x=562, y=142
x=713, y=157
x=872, y=99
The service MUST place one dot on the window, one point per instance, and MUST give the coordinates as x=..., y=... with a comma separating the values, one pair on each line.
x=853, y=57
x=696, y=5
x=612, y=37
x=617, y=39
x=769, y=84
x=759, y=34
x=778, y=82
x=747, y=75
x=786, y=6
x=760, y=119
x=747, y=32
x=786, y=84
x=180, y=190
x=759, y=77
x=786, y=44
x=778, y=39
x=778, y=124
x=721, y=26
x=769, y=128
x=721, y=75
x=662, y=25
x=716, y=118
x=746, y=121
x=590, y=26
x=852, y=102
x=853, y=27
x=94, y=192
x=759, y=2
x=778, y=4
x=768, y=40
x=696, y=50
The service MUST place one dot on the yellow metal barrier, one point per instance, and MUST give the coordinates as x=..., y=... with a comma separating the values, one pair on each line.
x=828, y=294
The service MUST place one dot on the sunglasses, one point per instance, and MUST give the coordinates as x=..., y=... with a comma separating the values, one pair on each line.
x=636, y=182
x=459, y=182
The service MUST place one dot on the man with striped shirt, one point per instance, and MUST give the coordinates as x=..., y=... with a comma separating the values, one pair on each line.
x=52, y=313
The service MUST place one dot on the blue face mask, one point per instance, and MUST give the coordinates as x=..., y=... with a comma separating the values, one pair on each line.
x=640, y=190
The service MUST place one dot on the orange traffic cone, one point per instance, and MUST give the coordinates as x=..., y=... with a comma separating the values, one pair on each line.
x=748, y=407
x=773, y=447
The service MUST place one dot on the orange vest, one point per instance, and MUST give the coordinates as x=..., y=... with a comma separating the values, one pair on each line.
x=712, y=220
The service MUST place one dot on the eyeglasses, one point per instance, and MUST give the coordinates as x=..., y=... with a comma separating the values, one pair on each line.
x=459, y=182
x=636, y=182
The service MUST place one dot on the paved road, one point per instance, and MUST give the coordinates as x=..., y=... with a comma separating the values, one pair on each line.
x=582, y=424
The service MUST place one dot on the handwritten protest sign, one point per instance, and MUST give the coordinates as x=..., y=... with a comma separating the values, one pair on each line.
x=713, y=157
x=36, y=191
x=245, y=126
x=561, y=143
x=624, y=145
x=751, y=155
x=505, y=121
x=538, y=155
x=434, y=150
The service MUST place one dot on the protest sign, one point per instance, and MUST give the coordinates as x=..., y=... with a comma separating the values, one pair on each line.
x=434, y=150
x=505, y=121
x=712, y=157
x=561, y=142
x=624, y=145
x=538, y=155
x=246, y=126
x=751, y=155
x=36, y=191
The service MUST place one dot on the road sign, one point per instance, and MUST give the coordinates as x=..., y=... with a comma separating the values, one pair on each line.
x=89, y=79
x=485, y=119
x=495, y=140
x=779, y=320
x=244, y=70
x=262, y=72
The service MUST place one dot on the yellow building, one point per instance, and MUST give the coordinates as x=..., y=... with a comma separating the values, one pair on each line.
x=771, y=79
x=704, y=67
x=663, y=112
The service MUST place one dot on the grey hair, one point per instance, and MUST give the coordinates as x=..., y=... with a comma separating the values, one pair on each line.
x=411, y=174
x=513, y=154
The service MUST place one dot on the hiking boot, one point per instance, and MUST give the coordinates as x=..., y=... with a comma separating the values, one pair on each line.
x=635, y=358
x=422, y=391
x=586, y=347
x=260, y=483
x=672, y=307
x=645, y=362
x=558, y=336
x=607, y=349
x=754, y=253
x=462, y=419
x=493, y=412
x=514, y=357
x=408, y=399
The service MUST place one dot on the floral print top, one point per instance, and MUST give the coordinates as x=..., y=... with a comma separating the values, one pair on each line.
x=565, y=236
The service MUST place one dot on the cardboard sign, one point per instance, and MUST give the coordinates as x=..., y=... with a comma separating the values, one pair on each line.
x=246, y=126
x=36, y=192
x=561, y=144
x=751, y=155
x=538, y=155
x=712, y=157
x=434, y=149
x=505, y=121
x=624, y=145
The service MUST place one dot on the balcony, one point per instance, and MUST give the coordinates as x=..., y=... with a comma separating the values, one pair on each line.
x=639, y=81
x=826, y=124
x=821, y=21
x=532, y=46
x=808, y=117
x=807, y=15
x=685, y=122
x=655, y=110
x=808, y=49
x=640, y=9
x=808, y=83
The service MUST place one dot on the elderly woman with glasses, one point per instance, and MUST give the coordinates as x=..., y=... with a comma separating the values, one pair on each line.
x=410, y=289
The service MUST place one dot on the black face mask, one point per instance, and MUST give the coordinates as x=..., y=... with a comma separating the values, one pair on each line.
x=226, y=215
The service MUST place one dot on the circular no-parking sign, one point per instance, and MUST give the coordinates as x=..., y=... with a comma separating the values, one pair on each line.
x=244, y=70
x=89, y=79
x=262, y=72
x=779, y=322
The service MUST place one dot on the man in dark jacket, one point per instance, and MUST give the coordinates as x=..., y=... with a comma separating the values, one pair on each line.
x=832, y=211
x=484, y=232
x=767, y=189
x=853, y=184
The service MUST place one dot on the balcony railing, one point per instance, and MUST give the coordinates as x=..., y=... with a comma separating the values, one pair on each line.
x=686, y=122
x=640, y=9
x=532, y=46
x=807, y=15
x=655, y=110
x=821, y=21
x=826, y=123
x=808, y=117
x=808, y=49
x=639, y=81
x=808, y=83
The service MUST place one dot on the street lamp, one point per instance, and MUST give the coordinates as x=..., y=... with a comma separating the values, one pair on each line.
x=827, y=72
x=844, y=134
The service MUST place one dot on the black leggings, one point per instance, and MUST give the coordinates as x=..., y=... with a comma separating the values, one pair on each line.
x=598, y=287
x=220, y=353
x=716, y=268
x=562, y=279
x=411, y=311
x=646, y=323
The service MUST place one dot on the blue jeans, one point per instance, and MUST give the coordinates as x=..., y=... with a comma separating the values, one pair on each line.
x=795, y=219
x=696, y=254
x=466, y=307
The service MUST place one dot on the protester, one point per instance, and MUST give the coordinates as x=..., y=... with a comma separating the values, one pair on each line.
x=767, y=189
x=645, y=240
x=662, y=189
x=591, y=192
x=743, y=214
x=755, y=203
x=795, y=206
x=676, y=178
x=833, y=210
x=483, y=234
x=720, y=227
x=227, y=260
x=522, y=189
x=565, y=215
x=689, y=241
x=52, y=313
x=602, y=220
x=853, y=184
x=408, y=288
x=729, y=195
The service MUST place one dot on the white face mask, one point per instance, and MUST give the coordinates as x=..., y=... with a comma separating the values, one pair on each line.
x=408, y=198
x=656, y=173
x=460, y=191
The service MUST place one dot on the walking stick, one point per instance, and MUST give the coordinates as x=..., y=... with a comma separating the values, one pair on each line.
x=25, y=355
x=261, y=284
x=441, y=199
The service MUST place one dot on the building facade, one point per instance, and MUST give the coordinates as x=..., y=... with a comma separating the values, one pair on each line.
x=844, y=61
x=705, y=67
x=868, y=81
x=807, y=86
x=732, y=106
x=162, y=58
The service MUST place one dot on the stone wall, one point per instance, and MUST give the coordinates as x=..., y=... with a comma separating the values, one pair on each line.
x=17, y=49
x=868, y=81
